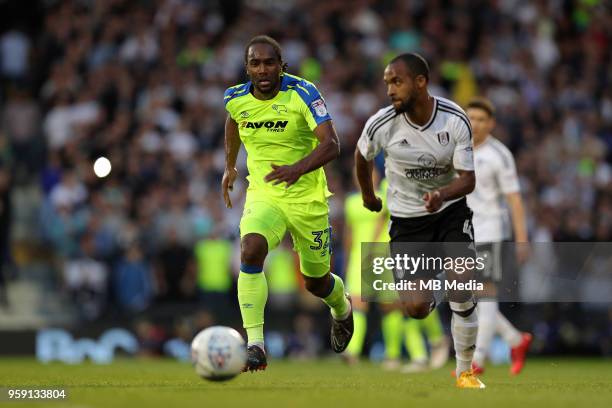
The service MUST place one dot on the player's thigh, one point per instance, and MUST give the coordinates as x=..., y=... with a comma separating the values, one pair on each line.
x=455, y=224
x=263, y=217
x=309, y=226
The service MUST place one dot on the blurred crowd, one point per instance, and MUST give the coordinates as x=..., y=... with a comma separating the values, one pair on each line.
x=142, y=84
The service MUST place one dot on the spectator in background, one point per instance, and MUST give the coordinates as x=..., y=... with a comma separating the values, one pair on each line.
x=305, y=343
x=175, y=270
x=20, y=118
x=69, y=192
x=5, y=224
x=151, y=338
x=86, y=280
x=14, y=55
x=132, y=280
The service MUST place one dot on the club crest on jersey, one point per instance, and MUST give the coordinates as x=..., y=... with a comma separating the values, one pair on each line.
x=279, y=108
x=319, y=107
x=427, y=160
x=443, y=138
x=244, y=114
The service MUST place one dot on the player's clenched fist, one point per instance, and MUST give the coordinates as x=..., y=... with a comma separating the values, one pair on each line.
x=372, y=203
x=433, y=201
x=229, y=176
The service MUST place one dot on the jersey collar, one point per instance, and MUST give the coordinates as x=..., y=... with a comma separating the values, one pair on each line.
x=429, y=122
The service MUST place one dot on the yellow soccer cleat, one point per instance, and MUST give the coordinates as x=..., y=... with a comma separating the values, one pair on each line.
x=468, y=379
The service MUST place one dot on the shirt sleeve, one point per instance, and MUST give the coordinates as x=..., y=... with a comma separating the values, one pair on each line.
x=228, y=96
x=463, y=156
x=370, y=142
x=314, y=108
x=506, y=175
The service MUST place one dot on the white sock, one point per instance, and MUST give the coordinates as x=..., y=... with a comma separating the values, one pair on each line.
x=509, y=333
x=464, y=331
x=487, y=314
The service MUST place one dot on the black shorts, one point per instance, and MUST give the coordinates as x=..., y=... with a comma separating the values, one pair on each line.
x=452, y=227
x=453, y=224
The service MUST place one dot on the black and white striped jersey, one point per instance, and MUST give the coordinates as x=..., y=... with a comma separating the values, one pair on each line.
x=418, y=159
x=495, y=177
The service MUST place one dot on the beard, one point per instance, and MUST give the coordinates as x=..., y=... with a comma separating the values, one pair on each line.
x=406, y=105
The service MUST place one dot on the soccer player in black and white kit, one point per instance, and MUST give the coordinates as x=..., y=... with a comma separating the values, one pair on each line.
x=427, y=143
x=497, y=182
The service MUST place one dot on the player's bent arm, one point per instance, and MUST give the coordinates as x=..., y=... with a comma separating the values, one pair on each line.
x=327, y=150
x=517, y=211
x=459, y=187
x=363, y=169
x=232, y=146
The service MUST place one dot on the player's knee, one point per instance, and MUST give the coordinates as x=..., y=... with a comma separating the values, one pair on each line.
x=416, y=310
x=253, y=249
x=319, y=287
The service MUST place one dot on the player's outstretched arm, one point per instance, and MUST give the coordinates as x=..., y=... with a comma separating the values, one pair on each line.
x=519, y=225
x=327, y=150
x=459, y=187
x=363, y=169
x=232, y=146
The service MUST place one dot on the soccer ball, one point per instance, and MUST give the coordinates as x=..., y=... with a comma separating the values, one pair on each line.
x=218, y=353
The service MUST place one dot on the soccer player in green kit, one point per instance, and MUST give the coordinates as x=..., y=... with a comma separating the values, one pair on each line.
x=362, y=225
x=288, y=136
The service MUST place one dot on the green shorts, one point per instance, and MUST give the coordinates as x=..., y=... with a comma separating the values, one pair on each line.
x=308, y=224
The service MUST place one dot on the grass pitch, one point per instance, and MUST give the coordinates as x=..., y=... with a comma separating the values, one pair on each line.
x=324, y=383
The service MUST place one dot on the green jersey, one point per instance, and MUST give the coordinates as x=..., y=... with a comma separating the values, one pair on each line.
x=280, y=131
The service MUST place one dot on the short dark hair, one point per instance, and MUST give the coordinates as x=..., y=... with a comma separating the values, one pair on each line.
x=266, y=39
x=415, y=63
x=483, y=103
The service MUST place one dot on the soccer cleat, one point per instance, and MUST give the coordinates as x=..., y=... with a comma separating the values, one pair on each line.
x=518, y=354
x=256, y=359
x=476, y=369
x=342, y=330
x=468, y=379
x=439, y=353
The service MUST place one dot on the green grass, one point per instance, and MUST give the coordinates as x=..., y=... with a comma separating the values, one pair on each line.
x=316, y=384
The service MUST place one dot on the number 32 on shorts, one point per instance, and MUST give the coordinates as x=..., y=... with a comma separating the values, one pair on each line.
x=321, y=245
